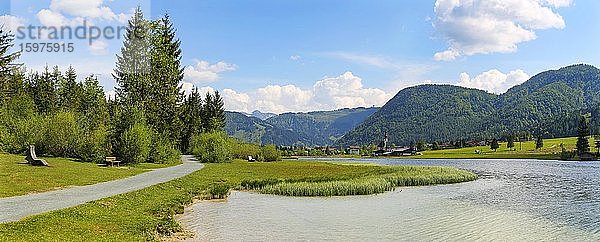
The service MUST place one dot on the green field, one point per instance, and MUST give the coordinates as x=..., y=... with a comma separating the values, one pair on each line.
x=18, y=178
x=147, y=214
x=526, y=150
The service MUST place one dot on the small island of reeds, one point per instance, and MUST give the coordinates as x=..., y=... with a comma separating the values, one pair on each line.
x=378, y=180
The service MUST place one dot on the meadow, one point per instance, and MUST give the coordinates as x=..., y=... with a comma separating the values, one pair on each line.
x=18, y=178
x=148, y=214
x=524, y=150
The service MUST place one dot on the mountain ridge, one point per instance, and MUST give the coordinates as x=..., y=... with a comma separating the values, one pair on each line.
x=317, y=128
x=435, y=112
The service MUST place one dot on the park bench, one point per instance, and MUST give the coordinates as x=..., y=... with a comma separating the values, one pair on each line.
x=32, y=159
x=111, y=161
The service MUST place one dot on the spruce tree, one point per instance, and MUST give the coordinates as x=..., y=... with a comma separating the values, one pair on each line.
x=583, y=131
x=218, y=122
x=166, y=74
x=539, y=142
x=213, y=112
x=44, y=91
x=494, y=145
x=93, y=103
x=191, y=117
x=511, y=142
x=9, y=71
x=69, y=91
x=132, y=70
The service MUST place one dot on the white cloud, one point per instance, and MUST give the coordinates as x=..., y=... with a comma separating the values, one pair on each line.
x=204, y=72
x=84, y=9
x=493, y=80
x=295, y=57
x=98, y=47
x=11, y=23
x=51, y=18
x=492, y=26
x=343, y=91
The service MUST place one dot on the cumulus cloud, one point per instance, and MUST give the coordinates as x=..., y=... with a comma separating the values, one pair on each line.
x=11, y=23
x=98, y=47
x=493, y=80
x=329, y=93
x=295, y=57
x=204, y=72
x=492, y=26
x=84, y=9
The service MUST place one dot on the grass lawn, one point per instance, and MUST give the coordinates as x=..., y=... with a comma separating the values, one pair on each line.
x=18, y=178
x=551, y=150
x=145, y=214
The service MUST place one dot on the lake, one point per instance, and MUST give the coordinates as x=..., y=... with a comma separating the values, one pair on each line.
x=512, y=200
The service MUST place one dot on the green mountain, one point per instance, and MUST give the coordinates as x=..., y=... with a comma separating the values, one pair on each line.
x=548, y=104
x=302, y=129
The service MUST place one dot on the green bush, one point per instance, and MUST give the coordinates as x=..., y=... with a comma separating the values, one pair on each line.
x=211, y=147
x=61, y=135
x=241, y=150
x=135, y=144
x=218, y=190
x=269, y=153
x=163, y=151
x=93, y=146
x=19, y=125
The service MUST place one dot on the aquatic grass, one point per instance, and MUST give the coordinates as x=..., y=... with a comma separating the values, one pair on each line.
x=364, y=186
x=373, y=184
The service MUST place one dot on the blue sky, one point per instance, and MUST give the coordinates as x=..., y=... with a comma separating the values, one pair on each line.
x=280, y=56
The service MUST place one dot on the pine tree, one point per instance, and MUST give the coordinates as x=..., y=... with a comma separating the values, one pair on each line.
x=539, y=142
x=191, y=117
x=511, y=142
x=494, y=145
x=93, y=103
x=213, y=112
x=9, y=71
x=132, y=70
x=583, y=131
x=218, y=119
x=166, y=74
x=69, y=91
x=43, y=90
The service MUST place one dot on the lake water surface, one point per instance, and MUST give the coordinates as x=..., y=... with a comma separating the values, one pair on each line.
x=512, y=200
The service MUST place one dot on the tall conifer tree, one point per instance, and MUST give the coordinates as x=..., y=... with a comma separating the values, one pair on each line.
x=132, y=70
x=166, y=74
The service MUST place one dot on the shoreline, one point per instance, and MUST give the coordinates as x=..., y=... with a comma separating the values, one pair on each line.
x=148, y=214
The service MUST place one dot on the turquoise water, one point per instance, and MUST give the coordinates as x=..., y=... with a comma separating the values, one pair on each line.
x=512, y=200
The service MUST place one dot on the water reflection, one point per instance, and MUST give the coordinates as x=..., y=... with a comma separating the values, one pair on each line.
x=513, y=200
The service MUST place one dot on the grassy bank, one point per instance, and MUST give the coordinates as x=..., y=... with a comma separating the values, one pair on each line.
x=525, y=150
x=18, y=178
x=147, y=213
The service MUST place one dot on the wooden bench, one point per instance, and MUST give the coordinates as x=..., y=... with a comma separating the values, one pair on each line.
x=111, y=161
x=32, y=159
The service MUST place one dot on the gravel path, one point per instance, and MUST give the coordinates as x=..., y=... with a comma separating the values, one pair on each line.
x=16, y=208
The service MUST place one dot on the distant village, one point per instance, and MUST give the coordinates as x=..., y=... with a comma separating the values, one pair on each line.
x=379, y=148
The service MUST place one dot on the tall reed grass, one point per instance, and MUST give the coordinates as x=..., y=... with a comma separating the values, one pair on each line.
x=371, y=184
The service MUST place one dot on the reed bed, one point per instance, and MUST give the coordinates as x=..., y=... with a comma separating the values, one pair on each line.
x=372, y=184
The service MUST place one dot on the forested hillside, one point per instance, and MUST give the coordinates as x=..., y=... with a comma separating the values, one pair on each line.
x=548, y=104
x=302, y=129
